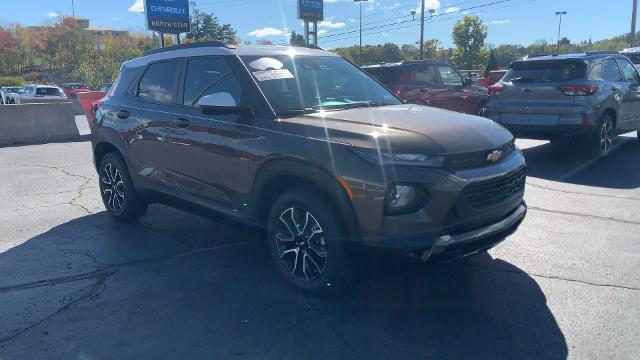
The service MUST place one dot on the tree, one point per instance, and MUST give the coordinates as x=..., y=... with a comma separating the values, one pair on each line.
x=296, y=39
x=469, y=35
x=492, y=64
x=206, y=27
x=430, y=48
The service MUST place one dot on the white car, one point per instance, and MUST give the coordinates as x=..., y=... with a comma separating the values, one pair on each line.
x=633, y=54
x=38, y=92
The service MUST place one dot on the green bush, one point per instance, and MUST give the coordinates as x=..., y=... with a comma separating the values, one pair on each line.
x=11, y=81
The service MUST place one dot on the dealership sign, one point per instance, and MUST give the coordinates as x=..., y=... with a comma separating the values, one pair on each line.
x=311, y=10
x=167, y=16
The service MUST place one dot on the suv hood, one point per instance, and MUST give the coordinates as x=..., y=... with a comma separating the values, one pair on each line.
x=403, y=129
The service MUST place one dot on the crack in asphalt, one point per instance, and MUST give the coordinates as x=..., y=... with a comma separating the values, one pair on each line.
x=588, y=216
x=582, y=193
x=100, y=276
x=76, y=198
x=553, y=277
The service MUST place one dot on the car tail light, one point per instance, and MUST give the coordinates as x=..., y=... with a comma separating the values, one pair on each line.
x=579, y=90
x=496, y=89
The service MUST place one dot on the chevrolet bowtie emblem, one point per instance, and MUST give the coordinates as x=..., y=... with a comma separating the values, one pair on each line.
x=494, y=156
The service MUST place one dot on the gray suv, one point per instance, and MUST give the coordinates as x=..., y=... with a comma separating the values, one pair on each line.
x=588, y=97
x=304, y=144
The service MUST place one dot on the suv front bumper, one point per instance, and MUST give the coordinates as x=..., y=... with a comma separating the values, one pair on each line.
x=441, y=247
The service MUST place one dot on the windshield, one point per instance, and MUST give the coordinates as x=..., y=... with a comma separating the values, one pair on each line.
x=532, y=72
x=302, y=84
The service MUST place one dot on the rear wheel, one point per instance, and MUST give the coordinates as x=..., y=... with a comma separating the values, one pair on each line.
x=305, y=242
x=118, y=193
x=602, y=140
x=482, y=109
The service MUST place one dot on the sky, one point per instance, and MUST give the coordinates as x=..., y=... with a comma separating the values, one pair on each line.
x=509, y=21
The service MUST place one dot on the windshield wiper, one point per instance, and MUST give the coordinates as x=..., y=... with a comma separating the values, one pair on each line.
x=295, y=112
x=355, y=105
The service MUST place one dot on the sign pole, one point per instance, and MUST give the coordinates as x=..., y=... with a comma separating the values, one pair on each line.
x=306, y=31
x=161, y=40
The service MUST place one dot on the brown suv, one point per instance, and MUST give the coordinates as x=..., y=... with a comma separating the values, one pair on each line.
x=307, y=145
x=432, y=83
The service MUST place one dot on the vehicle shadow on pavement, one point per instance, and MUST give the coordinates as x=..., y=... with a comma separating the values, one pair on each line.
x=177, y=285
x=572, y=165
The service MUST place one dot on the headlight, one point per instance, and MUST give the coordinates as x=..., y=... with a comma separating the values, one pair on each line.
x=387, y=159
x=404, y=198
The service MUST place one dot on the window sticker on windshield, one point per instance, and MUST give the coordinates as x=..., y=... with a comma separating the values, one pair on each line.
x=266, y=63
x=273, y=75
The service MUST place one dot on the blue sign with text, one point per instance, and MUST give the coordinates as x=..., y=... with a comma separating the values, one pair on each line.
x=167, y=16
x=311, y=10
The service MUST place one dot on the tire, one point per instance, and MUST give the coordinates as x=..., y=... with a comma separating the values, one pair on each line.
x=119, y=196
x=481, y=110
x=601, y=141
x=306, y=242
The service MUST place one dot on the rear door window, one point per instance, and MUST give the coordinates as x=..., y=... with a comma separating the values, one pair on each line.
x=610, y=71
x=535, y=72
x=426, y=75
x=158, y=83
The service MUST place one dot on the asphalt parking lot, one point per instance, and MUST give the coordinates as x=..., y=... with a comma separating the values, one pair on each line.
x=76, y=285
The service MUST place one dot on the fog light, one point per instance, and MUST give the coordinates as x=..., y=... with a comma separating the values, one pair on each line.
x=404, y=198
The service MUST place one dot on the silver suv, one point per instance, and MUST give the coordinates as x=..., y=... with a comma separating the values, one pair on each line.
x=588, y=97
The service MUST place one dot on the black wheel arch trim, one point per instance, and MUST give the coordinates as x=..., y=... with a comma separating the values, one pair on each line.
x=309, y=173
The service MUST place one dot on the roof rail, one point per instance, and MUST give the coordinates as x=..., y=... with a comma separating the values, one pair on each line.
x=217, y=44
x=536, y=56
x=308, y=46
x=602, y=52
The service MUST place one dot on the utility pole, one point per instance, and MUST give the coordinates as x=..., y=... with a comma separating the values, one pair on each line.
x=559, y=28
x=422, y=31
x=632, y=35
x=360, y=3
x=73, y=9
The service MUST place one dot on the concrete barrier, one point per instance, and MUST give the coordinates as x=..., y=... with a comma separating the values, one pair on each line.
x=75, y=104
x=37, y=123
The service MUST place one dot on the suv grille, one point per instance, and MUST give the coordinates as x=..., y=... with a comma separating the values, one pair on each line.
x=476, y=159
x=490, y=192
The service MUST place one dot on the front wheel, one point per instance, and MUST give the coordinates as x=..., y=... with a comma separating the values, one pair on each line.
x=305, y=242
x=118, y=193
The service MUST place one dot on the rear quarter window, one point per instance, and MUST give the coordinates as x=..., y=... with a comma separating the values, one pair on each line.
x=533, y=72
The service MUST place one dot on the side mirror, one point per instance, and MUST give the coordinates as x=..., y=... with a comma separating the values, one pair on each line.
x=221, y=103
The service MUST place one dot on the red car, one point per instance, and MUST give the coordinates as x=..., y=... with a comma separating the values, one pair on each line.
x=492, y=78
x=433, y=83
x=71, y=89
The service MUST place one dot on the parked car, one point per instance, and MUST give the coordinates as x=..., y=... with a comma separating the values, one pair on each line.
x=304, y=143
x=71, y=89
x=432, y=83
x=588, y=97
x=37, y=92
x=10, y=92
x=491, y=78
x=633, y=54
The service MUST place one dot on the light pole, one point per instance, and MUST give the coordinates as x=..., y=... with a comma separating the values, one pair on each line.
x=634, y=13
x=560, y=13
x=73, y=9
x=431, y=11
x=360, y=3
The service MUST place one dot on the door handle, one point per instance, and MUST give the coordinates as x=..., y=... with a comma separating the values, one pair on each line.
x=122, y=114
x=423, y=90
x=615, y=89
x=181, y=123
